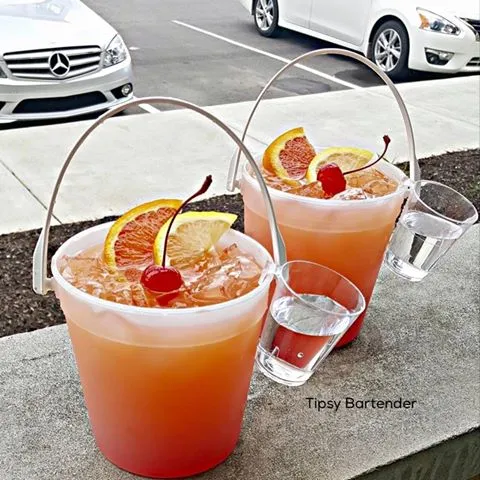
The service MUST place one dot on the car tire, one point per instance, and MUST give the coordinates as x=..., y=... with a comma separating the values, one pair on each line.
x=265, y=14
x=390, y=49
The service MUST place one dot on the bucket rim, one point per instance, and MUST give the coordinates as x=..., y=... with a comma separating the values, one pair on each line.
x=404, y=184
x=100, y=303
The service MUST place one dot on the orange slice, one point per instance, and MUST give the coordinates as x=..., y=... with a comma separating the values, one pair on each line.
x=130, y=239
x=347, y=158
x=289, y=155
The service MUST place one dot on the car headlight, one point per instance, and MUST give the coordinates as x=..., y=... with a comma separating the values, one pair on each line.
x=116, y=52
x=2, y=73
x=436, y=23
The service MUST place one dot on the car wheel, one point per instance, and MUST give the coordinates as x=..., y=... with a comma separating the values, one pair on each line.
x=265, y=13
x=390, y=49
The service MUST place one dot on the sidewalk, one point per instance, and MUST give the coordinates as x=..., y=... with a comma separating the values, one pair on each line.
x=136, y=158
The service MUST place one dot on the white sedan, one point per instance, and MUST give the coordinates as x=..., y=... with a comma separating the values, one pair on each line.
x=59, y=59
x=429, y=35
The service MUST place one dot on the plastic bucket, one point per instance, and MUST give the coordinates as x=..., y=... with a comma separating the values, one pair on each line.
x=165, y=389
x=351, y=241
x=349, y=237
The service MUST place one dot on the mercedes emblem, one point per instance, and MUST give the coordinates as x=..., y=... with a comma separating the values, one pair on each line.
x=59, y=64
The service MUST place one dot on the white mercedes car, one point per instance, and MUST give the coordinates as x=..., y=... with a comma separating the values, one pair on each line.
x=429, y=35
x=59, y=59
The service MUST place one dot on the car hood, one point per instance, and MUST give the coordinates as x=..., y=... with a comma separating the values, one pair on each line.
x=39, y=24
x=458, y=8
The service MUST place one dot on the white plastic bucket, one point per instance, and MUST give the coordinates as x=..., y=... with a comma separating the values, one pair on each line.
x=165, y=389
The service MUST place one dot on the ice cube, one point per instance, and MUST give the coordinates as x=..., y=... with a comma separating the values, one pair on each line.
x=358, y=179
x=119, y=292
x=275, y=182
x=312, y=190
x=379, y=188
x=231, y=251
x=350, y=194
x=140, y=298
x=234, y=275
x=210, y=285
x=239, y=264
x=249, y=270
x=73, y=268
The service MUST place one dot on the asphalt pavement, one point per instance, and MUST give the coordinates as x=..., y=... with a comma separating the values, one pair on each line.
x=173, y=59
x=211, y=54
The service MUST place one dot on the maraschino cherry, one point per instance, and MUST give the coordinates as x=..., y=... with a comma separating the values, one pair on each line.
x=163, y=281
x=333, y=179
x=159, y=279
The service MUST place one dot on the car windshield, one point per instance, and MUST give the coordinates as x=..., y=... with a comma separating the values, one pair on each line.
x=46, y=9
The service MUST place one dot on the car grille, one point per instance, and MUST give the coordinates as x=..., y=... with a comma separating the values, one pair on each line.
x=474, y=62
x=474, y=25
x=59, y=104
x=35, y=63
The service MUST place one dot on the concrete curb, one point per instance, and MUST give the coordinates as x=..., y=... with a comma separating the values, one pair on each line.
x=413, y=346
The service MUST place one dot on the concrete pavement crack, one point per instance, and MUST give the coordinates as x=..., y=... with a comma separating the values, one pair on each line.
x=24, y=185
x=39, y=357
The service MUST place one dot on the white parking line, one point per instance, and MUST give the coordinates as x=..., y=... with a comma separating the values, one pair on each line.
x=270, y=55
x=148, y=108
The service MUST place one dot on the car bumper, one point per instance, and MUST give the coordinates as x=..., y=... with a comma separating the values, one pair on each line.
x=465, y=49
x=45, y=99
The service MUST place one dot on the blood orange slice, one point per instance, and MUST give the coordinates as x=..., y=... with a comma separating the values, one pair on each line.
x=289, y=155
x=130, y=239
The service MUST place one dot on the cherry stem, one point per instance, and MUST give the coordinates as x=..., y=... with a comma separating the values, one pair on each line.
x=203, y=189
x=386, y=139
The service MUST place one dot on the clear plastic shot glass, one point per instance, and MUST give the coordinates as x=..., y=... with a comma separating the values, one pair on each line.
x=433, y=219
x=312, y=307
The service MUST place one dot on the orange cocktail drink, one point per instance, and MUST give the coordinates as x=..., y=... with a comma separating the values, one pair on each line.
x=152, y=403
x=165, y=388
x=349, y=236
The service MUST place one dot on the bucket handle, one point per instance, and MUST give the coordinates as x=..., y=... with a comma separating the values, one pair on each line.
x=413, y=161
x=42, y=283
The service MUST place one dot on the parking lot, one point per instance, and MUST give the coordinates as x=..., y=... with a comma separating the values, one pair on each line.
x=211, y=54
x=214, y=55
